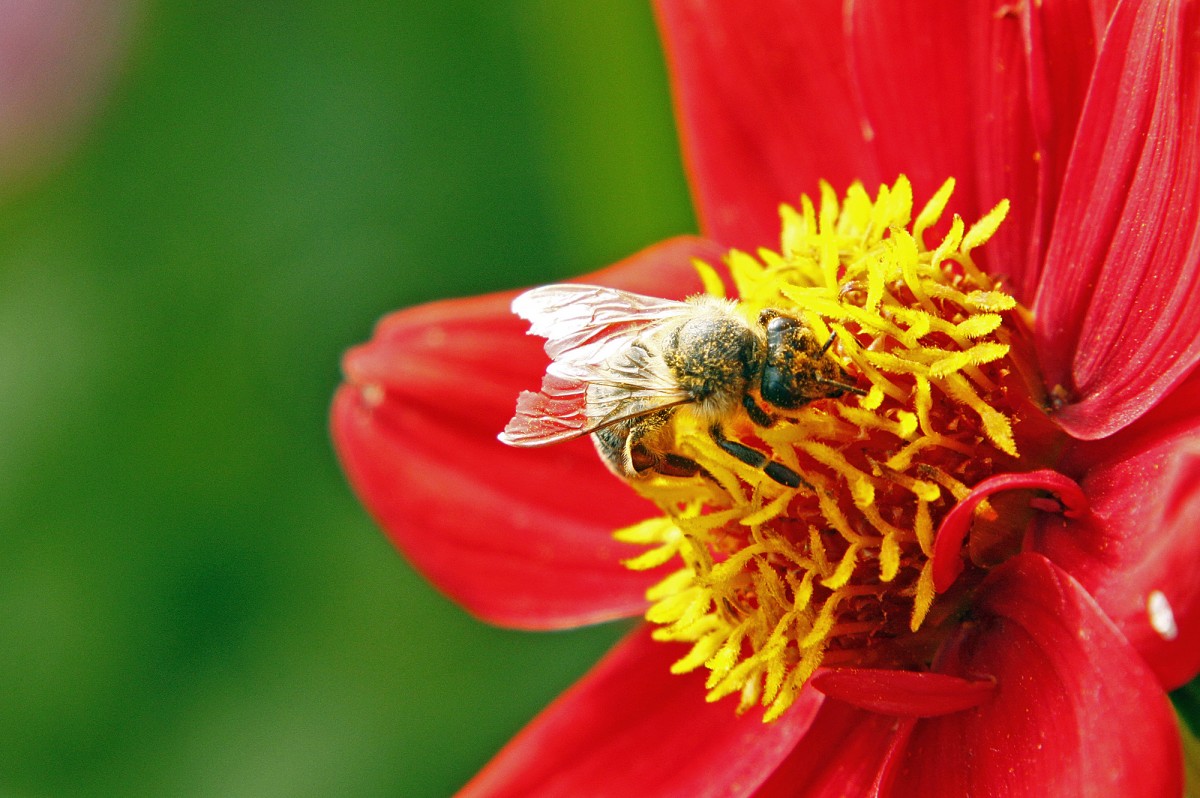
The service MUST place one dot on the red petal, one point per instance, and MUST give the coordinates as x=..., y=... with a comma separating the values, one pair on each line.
x=958, y=107
x=519, y=537
x=841, y=755
x=632, y=728
x=772, y=101
x=1076, y=712
x=765, y=109
x=1062, y=39
x=1118, y=310
x=1141, y=536
x=903, y=693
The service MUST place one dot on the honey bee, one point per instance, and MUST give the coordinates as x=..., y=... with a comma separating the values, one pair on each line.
x=623, y=365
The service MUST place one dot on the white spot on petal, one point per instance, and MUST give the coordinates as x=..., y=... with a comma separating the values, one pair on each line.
x=1162, y=617
x=373, y=395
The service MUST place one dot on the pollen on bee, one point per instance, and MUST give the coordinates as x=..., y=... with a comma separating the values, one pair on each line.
x=775, y=578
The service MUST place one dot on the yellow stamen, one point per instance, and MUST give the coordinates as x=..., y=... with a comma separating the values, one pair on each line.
x=775, y=579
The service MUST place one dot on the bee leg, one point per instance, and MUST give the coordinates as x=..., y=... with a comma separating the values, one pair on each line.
x=676, y=465
x=756, y=459
x=759, y=416
x=642, y=455
x=644, y=460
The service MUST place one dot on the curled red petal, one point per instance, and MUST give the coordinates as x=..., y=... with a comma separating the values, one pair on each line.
x=1138, y=550
x=1076, y=711
x=947, y=562
x=630, y=727
x=519, y=537
x=903, y=693
x=958, y=108
x=765, y=109
x=1118, y=309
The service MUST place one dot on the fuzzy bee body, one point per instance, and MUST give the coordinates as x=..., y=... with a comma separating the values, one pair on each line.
x=623, y=365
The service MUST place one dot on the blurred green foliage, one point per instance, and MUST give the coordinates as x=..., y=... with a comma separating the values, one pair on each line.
x=191, y=601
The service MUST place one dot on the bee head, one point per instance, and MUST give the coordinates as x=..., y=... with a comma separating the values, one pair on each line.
x=796, y=369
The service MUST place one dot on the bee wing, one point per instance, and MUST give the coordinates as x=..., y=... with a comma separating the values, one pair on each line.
x=561, y=410
x=556, y=413
x=592, y=337
x=590, y=323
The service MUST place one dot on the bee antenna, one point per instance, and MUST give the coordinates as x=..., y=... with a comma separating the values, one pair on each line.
x=829, y=343
x=835, y=383
x=850, y=388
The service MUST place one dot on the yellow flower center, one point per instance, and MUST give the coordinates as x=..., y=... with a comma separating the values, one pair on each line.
x=774, y=581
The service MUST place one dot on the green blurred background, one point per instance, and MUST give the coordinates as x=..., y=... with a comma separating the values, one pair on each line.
x=191, y=601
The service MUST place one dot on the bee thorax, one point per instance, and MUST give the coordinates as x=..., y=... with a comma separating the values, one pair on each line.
x=713, y=356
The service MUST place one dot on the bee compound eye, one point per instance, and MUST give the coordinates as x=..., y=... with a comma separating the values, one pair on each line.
x=775, y=386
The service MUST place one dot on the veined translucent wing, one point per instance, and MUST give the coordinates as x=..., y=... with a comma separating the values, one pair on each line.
x=590, y=323
x=604, y=366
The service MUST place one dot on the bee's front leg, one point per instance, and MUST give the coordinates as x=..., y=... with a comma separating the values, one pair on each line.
x=756, y=459
x=753, y=409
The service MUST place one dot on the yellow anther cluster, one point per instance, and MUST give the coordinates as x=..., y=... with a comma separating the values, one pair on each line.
x=774, y=581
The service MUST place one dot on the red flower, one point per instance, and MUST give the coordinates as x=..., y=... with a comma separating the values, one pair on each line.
x=1053, y=683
